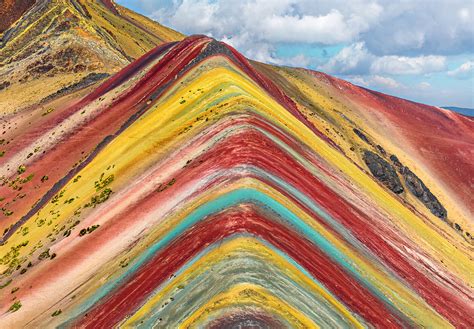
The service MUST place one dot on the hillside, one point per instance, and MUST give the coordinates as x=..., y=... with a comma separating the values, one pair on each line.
x=197, y=188
x=61, y=43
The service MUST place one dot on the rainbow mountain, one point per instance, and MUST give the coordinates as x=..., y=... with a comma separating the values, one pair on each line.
x=196, y=188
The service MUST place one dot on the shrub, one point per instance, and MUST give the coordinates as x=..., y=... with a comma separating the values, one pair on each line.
x=15, y=307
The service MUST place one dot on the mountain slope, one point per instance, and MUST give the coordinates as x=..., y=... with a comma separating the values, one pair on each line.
x=11, y=11
x=60, y=43
x=169, y=194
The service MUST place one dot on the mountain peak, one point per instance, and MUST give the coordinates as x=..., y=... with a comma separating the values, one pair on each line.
x=196, y=188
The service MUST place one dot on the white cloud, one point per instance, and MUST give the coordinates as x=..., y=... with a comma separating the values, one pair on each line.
x=465, y=71
x=376, y=81
x=424, y=85
x=464, y=14
x=382, y=38
x=385, y=82
x=356, y=59
x=328, y=29
x=270, y=20
x=408, y=65
x=265, y=23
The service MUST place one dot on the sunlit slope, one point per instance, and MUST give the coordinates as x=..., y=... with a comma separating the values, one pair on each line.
x=196, y=189
x=436, y=145
x=58, y=43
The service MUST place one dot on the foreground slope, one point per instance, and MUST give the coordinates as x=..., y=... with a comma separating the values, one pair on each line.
x=49, y=47
x=196, y=188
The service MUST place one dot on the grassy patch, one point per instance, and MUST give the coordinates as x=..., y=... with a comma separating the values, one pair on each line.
x=15, y=306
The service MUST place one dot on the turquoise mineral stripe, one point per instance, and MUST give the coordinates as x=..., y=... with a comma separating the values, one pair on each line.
x=230, y=199
x=154, y=316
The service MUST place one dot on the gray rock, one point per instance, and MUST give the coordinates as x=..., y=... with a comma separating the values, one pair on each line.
x=361, y=135
x=416, y=186
x=383, y=171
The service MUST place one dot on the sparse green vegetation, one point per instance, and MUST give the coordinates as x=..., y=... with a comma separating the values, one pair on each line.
x=101, y=183
x=56, y=313
x=48, y=111
x=58, y=196
x=7, y=212
x=21, y=169
x=5, y=284
x=69, y=201
x=28, y=178
x=163, y=187
x=15, y=306
x=88, y=230
x=100, y=198
x=44, y=255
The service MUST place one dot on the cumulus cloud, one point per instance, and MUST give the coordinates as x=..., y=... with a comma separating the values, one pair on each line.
x=424, y=85
x=270, y=20
x=356, y=59
x=385, y=82
x=408, y=65
x=257, y=26
x=465, y=71
x=331, y=28
x=376, y=81
x=381, y=40
x=410, y=28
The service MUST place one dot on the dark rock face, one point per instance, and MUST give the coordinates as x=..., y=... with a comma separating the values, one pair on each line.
x=4, y=85
x=419, y=189
x=381, y=149
x=395, y=161
x=361, y=135
x=86, y=81
x=383, y=171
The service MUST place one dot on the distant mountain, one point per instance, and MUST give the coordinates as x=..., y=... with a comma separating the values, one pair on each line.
x=194, y=188
x=462, y=110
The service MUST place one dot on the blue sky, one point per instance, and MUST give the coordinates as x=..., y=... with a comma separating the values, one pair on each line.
x=420, y=50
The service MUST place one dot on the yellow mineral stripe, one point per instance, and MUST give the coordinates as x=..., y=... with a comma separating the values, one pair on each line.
x=240, y=244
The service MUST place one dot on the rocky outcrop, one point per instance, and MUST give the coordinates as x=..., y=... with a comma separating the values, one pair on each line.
x=416, y=186
x=361, y=135
x=419, y=189
x=383, y=171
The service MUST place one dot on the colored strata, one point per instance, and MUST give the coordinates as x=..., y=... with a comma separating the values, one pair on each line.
x=197, y=189
x=59, y=43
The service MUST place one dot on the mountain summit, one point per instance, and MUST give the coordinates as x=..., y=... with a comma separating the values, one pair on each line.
x=196, y=188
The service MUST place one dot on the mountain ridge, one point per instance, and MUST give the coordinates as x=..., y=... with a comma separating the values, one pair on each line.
x=166, y=194
x=63, y=41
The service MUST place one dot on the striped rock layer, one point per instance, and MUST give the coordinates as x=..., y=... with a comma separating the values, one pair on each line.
x=50, y=47
x=197, y=189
